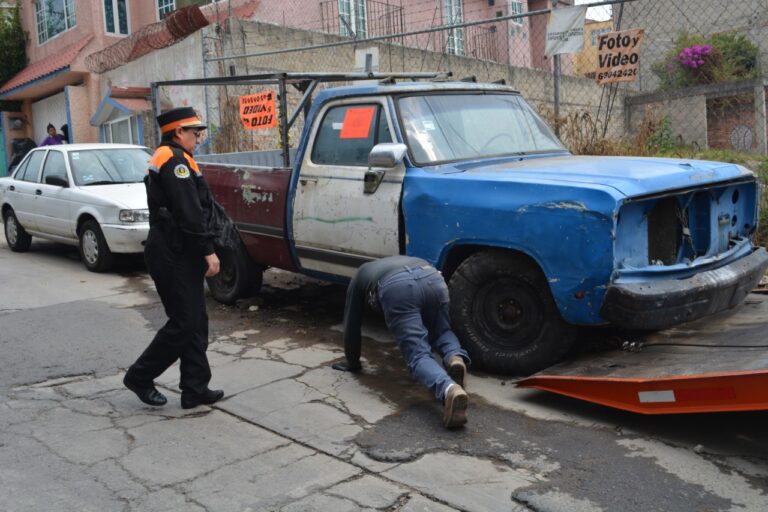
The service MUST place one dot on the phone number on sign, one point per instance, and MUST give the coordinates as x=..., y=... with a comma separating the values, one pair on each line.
x=618, y=73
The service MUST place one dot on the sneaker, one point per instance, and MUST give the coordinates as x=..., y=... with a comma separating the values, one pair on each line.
x=455, y=406
x=457, y=369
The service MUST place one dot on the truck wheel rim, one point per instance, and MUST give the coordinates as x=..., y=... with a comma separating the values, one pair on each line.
x=90, y=247
x=510, y=312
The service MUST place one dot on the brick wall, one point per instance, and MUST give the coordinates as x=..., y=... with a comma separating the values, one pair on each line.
x=731, y=123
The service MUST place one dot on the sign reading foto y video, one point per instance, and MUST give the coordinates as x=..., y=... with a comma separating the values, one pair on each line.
x=258, y=110
x=618, y=56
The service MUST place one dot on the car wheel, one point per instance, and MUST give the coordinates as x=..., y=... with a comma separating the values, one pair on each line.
x=505, y=316
x=93, y=248
x=238, y=276
x=18, y=239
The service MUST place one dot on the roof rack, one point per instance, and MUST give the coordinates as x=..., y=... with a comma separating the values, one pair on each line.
x=304, y=82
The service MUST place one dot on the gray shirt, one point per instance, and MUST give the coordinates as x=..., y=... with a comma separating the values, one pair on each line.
x=362, y=290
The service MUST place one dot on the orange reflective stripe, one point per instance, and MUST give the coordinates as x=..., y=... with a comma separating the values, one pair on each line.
x=192, y=163
x=181, y=122
x=165, y=153
x=162, y=155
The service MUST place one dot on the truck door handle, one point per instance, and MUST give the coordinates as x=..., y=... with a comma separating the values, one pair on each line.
x=371, y=180
x=304, y=181
x=38, y=192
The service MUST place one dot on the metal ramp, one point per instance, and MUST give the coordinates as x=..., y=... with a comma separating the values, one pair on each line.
x=716, y=364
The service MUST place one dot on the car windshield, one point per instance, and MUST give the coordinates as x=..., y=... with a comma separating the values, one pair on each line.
x=450, y=127
x=108, y=166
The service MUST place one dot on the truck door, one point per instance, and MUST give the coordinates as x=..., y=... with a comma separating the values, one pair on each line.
x=337, y=225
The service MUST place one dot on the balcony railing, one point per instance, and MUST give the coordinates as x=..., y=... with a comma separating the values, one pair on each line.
x=480, y=42
x=381, y=18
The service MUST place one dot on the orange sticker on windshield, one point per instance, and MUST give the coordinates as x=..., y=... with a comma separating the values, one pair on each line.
x=357, y=123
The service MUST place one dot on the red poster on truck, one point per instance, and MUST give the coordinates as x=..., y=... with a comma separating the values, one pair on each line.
x=357, y=123
x=258, y=110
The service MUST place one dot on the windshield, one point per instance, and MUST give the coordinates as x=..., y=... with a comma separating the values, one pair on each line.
x=450, y=127
x=108, y=166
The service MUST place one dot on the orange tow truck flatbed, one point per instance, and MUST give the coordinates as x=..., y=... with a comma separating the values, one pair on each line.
x=716, y=364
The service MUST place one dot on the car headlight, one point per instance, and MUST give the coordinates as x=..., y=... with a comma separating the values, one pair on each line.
x=134, y=216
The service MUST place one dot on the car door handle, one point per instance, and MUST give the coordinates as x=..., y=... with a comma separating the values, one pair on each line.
x=11, y=188
x=39, y=192
x=304, y=181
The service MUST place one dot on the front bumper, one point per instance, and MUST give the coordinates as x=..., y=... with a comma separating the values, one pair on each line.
x=124, y=238
x=660, y=304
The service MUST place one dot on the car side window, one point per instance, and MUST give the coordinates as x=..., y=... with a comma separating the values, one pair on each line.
x=348, y=133
x=19, y=171
x=54, y=166
x=32, y=170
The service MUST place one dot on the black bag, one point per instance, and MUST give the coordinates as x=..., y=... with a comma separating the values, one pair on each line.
x=225, y=233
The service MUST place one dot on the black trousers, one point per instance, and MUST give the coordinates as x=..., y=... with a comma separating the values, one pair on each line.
x=179, y=280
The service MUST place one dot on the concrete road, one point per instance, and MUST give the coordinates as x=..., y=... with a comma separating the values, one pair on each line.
x=293, y=434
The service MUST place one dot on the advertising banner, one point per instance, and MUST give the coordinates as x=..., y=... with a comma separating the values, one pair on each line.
x=565, y=30
x=257, y=111
x=618, y=56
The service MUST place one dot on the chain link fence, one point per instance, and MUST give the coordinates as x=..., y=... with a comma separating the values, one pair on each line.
x=700, y=81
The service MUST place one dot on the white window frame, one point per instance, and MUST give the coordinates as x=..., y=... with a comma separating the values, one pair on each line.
x=454, y=13
x=116, y=18
x=107, y=127
x=165, y=7
x=70, y=20
x=516, y=7
x=356, y=13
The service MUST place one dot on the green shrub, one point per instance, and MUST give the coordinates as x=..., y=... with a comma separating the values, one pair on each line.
x=662, y=138
x=13, y=41
x=694, y=59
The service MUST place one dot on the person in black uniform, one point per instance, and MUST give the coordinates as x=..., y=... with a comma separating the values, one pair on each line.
x=179, y=253
x=413, y=296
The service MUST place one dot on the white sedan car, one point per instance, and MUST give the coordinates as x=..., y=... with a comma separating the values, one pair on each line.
x=88, y=195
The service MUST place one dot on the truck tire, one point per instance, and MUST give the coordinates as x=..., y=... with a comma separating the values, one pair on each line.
x=94, y=250
x=505, y=316
x=18, y=239
x=238, y=276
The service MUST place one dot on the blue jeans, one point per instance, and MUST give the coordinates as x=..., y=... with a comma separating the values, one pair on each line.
x=415, y=305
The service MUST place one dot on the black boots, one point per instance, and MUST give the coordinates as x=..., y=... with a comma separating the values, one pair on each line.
x=190, y=400
x=149, y=395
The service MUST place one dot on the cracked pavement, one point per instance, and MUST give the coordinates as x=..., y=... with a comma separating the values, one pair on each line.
x=294, y=435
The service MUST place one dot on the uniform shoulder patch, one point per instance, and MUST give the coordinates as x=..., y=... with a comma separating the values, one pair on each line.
x=181, y=171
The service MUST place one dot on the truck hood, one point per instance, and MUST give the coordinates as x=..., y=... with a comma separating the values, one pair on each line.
x=632, y=176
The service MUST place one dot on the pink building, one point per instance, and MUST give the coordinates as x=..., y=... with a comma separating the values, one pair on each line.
x=56, y=87
x=507, y=41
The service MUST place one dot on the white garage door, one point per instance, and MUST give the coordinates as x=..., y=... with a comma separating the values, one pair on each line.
x=50, y=110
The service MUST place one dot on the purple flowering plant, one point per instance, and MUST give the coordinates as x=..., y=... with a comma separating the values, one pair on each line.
x=695, y=56
x=695, y=59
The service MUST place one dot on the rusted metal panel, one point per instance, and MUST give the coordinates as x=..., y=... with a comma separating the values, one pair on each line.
x=255, y=199
x=718, y=363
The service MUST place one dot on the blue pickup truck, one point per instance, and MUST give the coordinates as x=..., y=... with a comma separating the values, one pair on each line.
x=532, y=240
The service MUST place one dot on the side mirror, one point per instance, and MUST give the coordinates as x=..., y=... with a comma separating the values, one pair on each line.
x=387, y=155
x=57, y=181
